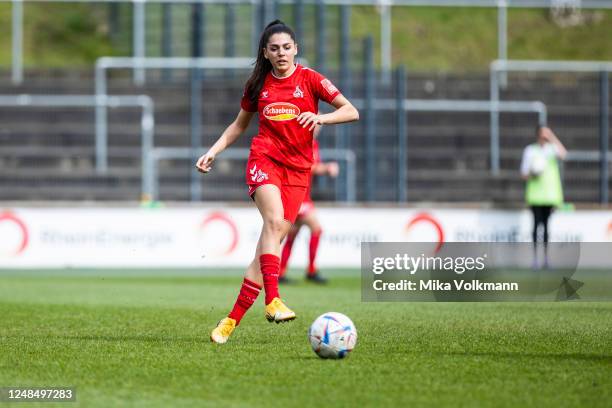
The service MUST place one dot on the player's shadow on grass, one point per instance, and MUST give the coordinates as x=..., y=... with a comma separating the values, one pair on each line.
x=572, y=356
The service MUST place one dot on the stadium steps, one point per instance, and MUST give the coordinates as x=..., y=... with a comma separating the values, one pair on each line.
x=448, y=153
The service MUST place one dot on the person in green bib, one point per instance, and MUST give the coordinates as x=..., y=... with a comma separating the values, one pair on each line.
x=543, y=192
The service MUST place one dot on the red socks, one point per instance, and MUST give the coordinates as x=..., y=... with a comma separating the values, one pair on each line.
x=270, y=266
x=286, y=253
x=313, y=247
x=250, y=290
x=248, y=293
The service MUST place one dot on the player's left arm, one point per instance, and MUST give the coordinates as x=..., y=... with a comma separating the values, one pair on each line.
x=345, y=112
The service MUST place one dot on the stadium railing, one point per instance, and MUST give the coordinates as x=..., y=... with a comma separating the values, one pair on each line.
x=235, y=153
x=446, y=105
x=604, y=68
x=105, y=63
x=265, y=10
x=147, y=122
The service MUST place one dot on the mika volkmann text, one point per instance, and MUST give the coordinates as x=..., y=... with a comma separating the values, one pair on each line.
x=477, y=272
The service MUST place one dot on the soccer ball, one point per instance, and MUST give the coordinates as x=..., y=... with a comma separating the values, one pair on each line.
x=332, y=335
x=538, y=165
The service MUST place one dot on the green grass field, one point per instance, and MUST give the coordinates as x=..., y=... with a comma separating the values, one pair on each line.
x=129, y=339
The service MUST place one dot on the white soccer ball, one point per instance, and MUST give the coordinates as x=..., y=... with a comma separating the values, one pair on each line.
x=538, y=165
x=332, y=335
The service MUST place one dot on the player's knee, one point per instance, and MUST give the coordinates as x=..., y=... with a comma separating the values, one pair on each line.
x=274, y=224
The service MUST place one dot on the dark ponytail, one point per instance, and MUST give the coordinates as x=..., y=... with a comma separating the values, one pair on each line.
x=262, y=65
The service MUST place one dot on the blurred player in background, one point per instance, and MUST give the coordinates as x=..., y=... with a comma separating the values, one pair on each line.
x=307, y=215
x=285, y=96
x=540, y=169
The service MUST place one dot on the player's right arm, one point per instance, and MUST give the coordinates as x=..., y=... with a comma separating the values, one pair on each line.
x=326, y=169
x=560, y=150
x=227, y=138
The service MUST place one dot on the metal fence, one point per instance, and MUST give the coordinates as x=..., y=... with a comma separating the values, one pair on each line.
x=601, y=69
x=385, y=142
x=347, y=157
x=259, y=12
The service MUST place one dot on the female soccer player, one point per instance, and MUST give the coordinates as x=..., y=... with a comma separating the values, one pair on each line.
x=307, y=215
x=286, y=96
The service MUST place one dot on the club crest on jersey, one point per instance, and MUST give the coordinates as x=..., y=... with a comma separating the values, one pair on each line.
x=257, y=175
x=298, y=92
x=280, y=111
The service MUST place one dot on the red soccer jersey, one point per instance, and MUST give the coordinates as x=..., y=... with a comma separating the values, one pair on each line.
x=280, y=102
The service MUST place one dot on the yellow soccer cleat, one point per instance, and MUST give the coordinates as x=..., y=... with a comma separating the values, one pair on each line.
x=224, y=329
x=277, y=311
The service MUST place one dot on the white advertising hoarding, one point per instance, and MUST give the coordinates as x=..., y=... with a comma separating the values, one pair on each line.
x=219, y=237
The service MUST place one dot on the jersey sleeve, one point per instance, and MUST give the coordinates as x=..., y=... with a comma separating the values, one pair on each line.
x=323, y=88
x=246, y=104
x=526, y=161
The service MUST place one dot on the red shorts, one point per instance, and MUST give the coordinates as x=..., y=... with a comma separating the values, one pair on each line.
x=306, y=208
x=292, y=184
